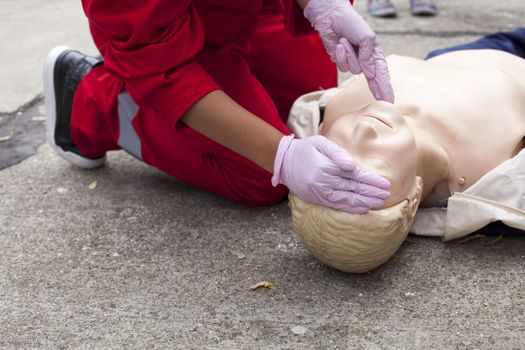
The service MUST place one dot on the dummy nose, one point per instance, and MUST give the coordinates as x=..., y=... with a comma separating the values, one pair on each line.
x=365, y=130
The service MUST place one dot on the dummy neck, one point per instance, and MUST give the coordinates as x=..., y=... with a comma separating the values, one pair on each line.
x=433, y=164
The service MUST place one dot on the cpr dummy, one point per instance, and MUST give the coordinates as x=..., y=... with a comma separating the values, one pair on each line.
x=455, y=118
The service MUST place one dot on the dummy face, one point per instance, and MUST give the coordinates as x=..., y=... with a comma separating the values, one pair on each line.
x=380, y=140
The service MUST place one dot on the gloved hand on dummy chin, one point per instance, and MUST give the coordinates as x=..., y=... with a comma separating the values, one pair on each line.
x=351, y=43
x=317, y=170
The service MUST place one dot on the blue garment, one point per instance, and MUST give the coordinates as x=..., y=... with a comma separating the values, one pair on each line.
x=511, y=42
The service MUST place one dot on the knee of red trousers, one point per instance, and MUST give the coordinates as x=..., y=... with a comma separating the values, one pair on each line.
x=233, y=176
x=239, y=179
x=190, y=157
x=260, y=194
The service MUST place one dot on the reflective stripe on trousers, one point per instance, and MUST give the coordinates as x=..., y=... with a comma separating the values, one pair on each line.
x=128, y=138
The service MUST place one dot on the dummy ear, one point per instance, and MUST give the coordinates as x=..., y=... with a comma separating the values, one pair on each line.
x=414, y=197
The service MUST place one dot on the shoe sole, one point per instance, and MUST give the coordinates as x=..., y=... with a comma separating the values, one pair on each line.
x=50, y=103
x=383, y=12
x=424, y=13
x=424, y=10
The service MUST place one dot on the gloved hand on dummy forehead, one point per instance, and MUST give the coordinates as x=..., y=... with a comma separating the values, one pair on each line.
x=351, y=43
x=318, y=171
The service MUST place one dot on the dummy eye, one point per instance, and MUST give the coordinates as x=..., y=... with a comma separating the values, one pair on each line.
x=382, y=122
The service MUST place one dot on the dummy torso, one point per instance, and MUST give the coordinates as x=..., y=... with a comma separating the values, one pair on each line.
x=466, y=110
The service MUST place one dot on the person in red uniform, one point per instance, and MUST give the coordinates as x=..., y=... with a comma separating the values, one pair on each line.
x=201, y=89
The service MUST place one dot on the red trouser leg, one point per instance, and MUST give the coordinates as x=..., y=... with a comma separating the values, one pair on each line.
x=94, y=123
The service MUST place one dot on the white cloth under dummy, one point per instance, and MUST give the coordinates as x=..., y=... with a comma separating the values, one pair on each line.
x=498, y=196
x=305, y=115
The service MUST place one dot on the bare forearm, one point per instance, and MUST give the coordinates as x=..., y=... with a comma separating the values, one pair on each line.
x=302, y=3
x=221, y=119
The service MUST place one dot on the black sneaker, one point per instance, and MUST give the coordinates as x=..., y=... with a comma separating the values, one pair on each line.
x=63, y=70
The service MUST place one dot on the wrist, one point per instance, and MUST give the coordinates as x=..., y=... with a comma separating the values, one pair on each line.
x=283, y=147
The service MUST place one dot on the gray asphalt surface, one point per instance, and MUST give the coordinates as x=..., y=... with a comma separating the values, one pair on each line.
x=143, y=261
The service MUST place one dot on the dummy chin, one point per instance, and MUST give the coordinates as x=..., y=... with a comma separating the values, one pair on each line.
x=354, y=242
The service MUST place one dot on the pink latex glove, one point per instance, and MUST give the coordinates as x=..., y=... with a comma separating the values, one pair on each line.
x=317, y=170
x=351, y=43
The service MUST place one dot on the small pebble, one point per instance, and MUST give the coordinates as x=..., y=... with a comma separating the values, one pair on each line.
x=298, y=330
x=239, y=255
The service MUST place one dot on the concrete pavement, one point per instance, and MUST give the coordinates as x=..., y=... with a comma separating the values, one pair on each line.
x=30, y=28
x=139, y=260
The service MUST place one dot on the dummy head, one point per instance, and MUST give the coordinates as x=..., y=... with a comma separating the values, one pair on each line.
x=379, y=139
x=354, y=242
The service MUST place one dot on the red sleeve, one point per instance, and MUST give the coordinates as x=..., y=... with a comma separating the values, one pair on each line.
x=151, y=45
x=294, y=20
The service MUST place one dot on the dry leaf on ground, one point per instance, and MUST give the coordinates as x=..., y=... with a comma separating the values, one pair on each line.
x=263, y=284
x=6, y=138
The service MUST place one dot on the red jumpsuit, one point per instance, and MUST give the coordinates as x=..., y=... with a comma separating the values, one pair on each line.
x=168, y=54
